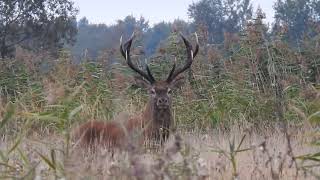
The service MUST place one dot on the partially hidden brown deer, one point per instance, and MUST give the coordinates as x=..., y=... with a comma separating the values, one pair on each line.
x=156, y=119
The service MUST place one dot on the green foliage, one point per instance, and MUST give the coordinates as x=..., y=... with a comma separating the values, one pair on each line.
x=207, y=100
x=253, y=80
x=220, y=16
x=36, y=25
x=89, y=44
x=297, y=17
x=14, y=78
x=311, y=160
x=10, y=110
x=93, y=38
x=154, y=36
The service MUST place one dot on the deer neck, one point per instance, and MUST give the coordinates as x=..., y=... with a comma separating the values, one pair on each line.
x=158, y=117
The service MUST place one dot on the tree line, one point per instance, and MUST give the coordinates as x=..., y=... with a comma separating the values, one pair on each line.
x=52, y=25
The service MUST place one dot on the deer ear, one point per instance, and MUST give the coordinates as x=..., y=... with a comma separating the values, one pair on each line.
x=140, y=82
x=177, y=82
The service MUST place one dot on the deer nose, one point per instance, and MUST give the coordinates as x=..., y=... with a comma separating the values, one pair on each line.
x=162, y=101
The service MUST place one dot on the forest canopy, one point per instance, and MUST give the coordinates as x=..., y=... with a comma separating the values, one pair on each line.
x=42, y=24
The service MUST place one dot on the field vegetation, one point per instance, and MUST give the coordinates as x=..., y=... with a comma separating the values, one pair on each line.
x=249, y=108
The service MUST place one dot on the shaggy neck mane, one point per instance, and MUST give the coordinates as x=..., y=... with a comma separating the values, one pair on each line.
x=160, y=118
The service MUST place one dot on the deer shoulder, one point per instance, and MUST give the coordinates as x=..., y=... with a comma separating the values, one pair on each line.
x=155, y=121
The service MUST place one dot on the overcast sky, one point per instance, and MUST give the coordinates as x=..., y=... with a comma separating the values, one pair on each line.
x=108, y=11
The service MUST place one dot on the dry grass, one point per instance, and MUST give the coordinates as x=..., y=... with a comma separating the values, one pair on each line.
x=187, y=155
x=36, y=114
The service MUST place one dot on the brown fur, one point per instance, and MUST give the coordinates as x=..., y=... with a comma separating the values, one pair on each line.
x=155, y=121
x=150, y=124
x=96, y=132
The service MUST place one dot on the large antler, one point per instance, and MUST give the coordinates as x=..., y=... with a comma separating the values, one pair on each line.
x=125, y=51
x=190, y=56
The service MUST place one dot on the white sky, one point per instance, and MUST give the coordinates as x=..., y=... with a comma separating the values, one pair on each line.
x=109, y=11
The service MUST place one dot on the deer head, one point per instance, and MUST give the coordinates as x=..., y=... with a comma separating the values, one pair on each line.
x=156, y=119
x=160, y=91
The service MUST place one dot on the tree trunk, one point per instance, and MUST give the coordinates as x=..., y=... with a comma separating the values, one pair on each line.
x=2, y=52
x=3, y=49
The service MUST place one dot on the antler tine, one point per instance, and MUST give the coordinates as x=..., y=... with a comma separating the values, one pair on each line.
x=197, y=45
x=172, y=70
x=190, y=56
x=125, y=51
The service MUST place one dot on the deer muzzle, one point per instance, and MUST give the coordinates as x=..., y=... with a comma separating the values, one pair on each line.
x=163, y=103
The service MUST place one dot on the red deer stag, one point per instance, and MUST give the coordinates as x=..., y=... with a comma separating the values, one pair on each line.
x=155, y=121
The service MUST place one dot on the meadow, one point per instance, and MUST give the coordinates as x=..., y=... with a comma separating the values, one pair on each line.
x=249, y=111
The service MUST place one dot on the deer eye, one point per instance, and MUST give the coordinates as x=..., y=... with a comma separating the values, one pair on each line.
x=169, y=91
